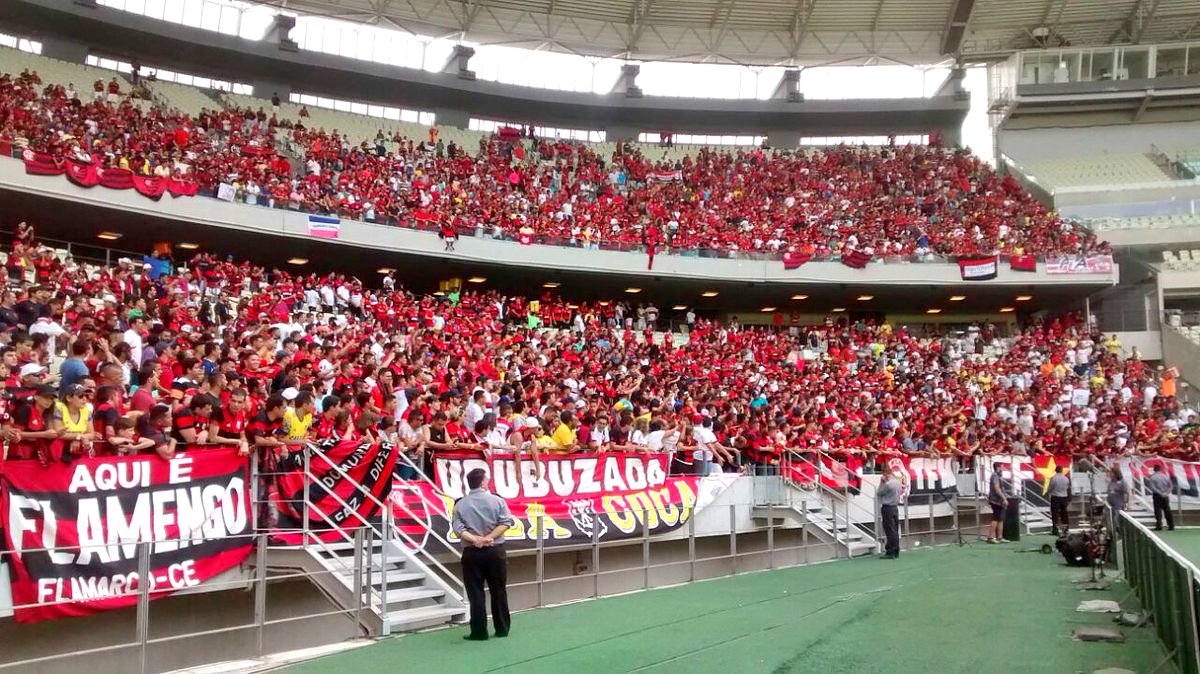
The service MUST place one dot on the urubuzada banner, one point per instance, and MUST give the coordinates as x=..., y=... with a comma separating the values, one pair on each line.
x=335, y=499
x=73, y=531
x=1079, y=264
x=578, y=497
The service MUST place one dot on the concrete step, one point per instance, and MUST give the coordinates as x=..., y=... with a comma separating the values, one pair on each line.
x=406, y=598
x=394, y=579
x=408, y=620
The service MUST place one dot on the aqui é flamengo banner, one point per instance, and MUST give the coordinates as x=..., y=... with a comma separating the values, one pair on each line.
x=981, y=268
x=342, y=469
x=73, y=531
x=608, y=496
x=1079, y=264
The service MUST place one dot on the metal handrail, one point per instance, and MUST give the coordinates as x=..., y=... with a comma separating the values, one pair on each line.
x=843, y=497
x=418, y=550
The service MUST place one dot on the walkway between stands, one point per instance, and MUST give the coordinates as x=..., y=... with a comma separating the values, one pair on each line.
x=948, y=609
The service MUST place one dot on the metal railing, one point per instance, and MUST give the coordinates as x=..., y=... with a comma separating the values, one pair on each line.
x=1168, y=586
x=137, y=649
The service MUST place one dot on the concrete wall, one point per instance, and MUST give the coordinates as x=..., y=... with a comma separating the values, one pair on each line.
x=1059, y=142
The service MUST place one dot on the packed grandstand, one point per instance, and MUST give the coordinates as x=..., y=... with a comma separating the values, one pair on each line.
x=224, y=352
x=906, y=201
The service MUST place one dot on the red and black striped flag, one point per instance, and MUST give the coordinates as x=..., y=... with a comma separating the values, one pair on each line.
x=857, y=259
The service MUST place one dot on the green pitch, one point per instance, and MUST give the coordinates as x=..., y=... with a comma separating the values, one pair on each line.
x=977, y=609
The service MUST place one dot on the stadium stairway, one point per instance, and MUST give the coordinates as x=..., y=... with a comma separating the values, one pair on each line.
x=830, y=521
x=397, y=593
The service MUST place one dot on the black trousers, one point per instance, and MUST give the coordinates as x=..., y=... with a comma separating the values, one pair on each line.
x=1162, y=507
x=490, y=565
x=1059, y=518
x=891, y=529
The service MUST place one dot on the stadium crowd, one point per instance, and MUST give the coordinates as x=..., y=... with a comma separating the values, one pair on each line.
x=907, y=201
x=122, y=359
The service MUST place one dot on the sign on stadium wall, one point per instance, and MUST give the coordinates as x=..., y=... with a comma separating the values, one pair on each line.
x=606, y=496
x=1079, y=264
x=73, y=532
x=1185, y=475
x=1023, y=475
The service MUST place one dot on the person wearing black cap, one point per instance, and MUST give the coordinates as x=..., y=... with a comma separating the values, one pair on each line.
x=72, y=421
x=31, y=421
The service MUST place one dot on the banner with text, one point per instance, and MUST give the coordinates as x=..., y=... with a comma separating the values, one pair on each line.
x=73, y=532
x=344, y=472
x=576, y=499
x=1185, y=476
x=1027, y=476
x=1079, y=264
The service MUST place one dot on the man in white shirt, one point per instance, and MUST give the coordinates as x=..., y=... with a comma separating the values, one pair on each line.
x=133, y=337
x=474, y=411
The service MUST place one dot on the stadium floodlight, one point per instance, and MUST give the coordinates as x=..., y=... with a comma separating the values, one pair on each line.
x=551, y=284
x=957, y=298
x=933, y=311
x=633, y=291
x=865, y=298
x=799, y=297
x=679, y=307
x=109, y=236
x=709, y=293
x=477, y=279
x=767, y=310
x=298, y=260
x=1007, y=310
x=187, y=245
x=1024, y=298
x=838, y=310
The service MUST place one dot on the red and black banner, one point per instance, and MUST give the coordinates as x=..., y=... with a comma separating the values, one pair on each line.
x=339, y=470
x=82, y=173
x=839, y=475
x=150, y=186
x=857, y=259
x=73, y=532
x=576, y=498
x=1023, y=262
x=42, y=163
x=794, y=258
x=116, y=178
x=979, y=268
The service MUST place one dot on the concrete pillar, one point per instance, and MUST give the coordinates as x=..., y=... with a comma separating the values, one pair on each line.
x=451, y=117
x=627, y=82
x=459, y=63
x=64, y=49
x=788, y=88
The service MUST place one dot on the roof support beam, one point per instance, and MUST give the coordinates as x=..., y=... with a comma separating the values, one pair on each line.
x=957, y=23
x=875, y=26
x=721, y=16
x=798, y=27
x=1137, y=116
x=1133, y=25
x=637, y=23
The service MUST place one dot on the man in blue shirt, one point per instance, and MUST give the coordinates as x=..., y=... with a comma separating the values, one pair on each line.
x=74, y=368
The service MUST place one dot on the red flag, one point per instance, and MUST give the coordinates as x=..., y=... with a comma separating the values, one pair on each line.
x=795, y=258
x=1023, y=262
x=857, y=259
x=41, y=163
x=116, y=178
x=82, y=173
x=182, y=188
x=150, y=186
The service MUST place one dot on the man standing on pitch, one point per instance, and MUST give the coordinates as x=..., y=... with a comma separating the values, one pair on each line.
x=888, y=494
x=1161, y=489
x=1060, y=496
x=480, y=520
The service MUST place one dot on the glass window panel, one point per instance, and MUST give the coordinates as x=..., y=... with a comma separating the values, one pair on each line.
x=193, y=10
x=1135, y=64
x=408, y=116
x=135, y=6
x=211, y=18
x=1171, y=62
x=358, y=108
x=1102, y=65
x=391, y=113
x=201, y=82
x=341, y=106
x=229, y=20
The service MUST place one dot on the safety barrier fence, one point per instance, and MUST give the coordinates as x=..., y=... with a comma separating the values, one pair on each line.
x=1168, y=586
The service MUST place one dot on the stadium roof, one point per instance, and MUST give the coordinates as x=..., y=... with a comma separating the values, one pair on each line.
x=778, y=32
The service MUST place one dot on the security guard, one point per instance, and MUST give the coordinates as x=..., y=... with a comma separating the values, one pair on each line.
x=1060, y=497
x=1161, y=488
x=480, y=520
x=888, y=494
